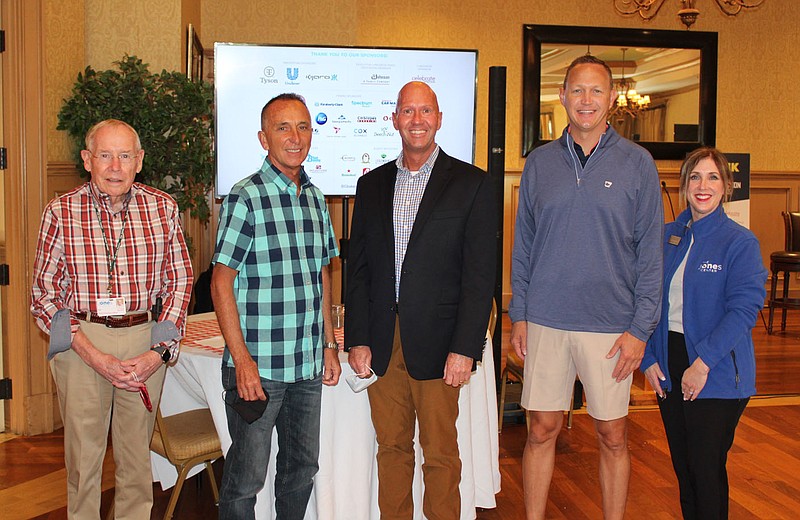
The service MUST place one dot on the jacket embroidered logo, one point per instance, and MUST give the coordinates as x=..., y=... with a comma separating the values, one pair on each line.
x=709, y=267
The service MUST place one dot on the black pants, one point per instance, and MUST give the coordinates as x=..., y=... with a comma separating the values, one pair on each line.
x=699, y=434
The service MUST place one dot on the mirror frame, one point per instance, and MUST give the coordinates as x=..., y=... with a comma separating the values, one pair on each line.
x=706, y=42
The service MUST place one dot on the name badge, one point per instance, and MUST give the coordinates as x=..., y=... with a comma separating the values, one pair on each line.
x=111, y=306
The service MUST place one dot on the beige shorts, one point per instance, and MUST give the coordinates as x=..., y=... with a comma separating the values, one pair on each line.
x=556, y=356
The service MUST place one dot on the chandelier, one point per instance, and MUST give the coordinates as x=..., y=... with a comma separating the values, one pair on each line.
x=648, y=9
x=628, y=100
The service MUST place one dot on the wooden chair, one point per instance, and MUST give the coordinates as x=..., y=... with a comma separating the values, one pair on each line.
x=785, y=262
x=186, y=440
x=515, y=367
x=492, y=318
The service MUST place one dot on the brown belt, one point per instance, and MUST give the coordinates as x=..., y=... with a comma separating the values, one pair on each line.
x=129, y=320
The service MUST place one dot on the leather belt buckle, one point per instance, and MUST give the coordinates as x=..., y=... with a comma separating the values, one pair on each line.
x=128, y=320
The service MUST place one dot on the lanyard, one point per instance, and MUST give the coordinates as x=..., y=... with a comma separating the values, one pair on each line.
x=111, y=259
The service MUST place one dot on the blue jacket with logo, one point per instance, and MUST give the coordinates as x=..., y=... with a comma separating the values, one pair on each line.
x=723, y=291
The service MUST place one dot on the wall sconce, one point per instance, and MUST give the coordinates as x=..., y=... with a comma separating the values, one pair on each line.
x=688, y=14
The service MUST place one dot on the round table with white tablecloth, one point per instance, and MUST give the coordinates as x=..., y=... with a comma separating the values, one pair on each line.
x=346, y=486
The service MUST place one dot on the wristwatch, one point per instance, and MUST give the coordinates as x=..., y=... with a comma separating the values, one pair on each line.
x=331, y=345
x=164, y=352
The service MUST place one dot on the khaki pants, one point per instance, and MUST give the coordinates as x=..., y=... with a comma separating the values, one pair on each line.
x=396, y=400
x=86, y=400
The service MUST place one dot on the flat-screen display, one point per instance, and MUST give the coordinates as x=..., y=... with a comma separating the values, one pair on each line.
x=350, y=92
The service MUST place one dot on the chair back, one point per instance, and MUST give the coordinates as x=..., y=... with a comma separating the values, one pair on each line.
x=492, y=318
x=187, y=439
x=186, y=436
x=791, y=221
x=160, y=442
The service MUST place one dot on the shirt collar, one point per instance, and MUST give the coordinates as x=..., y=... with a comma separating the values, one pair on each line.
x=105, y=200
x=280, y=179
x=426, y=167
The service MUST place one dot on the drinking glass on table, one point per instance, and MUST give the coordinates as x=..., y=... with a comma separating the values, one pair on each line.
x=337, y=310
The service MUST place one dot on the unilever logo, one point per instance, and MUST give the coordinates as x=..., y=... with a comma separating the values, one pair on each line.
x=292, y=73
x=322, y=118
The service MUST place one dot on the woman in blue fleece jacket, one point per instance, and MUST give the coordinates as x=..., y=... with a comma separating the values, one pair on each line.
x=700, y=359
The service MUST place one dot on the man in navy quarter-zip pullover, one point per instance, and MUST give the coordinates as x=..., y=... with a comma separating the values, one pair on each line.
x=586, y=281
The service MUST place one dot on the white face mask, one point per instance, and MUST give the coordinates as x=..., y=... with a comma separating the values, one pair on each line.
x=358, y=384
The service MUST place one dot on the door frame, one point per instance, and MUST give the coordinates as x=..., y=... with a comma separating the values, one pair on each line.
x=31, y=409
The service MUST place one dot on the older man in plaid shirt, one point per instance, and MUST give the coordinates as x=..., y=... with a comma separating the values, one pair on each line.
x=108, y=251
x=272, y=294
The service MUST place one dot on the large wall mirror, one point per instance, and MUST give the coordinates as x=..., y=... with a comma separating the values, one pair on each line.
x=666, y=84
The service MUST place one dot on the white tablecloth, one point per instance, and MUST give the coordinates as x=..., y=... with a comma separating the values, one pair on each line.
x=346, y=486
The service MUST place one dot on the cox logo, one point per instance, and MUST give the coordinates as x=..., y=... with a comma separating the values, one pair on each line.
x=322, y=118
x=359, y=131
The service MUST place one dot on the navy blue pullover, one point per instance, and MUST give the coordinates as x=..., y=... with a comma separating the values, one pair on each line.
x=587, y=245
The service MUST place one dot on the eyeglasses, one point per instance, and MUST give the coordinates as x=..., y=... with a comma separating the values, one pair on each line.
x=107, y=158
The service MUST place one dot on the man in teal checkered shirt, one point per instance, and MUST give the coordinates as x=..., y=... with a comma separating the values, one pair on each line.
x=272, y=294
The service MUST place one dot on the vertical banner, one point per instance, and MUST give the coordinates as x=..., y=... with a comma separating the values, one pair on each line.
x=738, y=209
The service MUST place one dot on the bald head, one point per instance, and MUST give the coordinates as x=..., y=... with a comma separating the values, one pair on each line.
x=417, y=118
x=414, y=88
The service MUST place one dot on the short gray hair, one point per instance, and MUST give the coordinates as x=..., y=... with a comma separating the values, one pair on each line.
x=110, y=122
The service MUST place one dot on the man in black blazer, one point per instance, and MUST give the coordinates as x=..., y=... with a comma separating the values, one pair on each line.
x=420, y=283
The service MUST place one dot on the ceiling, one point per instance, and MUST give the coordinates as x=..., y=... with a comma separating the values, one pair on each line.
x=655, y=70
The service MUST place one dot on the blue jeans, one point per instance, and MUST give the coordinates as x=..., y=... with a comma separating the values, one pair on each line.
x=294, y=410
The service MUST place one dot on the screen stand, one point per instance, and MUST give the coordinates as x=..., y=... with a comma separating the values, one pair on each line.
x=344, y=243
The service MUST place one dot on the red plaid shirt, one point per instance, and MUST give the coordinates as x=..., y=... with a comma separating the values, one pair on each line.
x=71, y=265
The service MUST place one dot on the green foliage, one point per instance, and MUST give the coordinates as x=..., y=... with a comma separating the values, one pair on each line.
x=172, y=114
